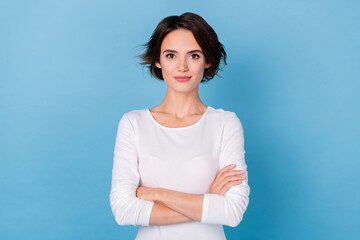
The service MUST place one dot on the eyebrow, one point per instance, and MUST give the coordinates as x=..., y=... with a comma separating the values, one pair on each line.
x=173, y=51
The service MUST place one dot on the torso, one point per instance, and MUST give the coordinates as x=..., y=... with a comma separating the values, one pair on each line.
x=181, y=155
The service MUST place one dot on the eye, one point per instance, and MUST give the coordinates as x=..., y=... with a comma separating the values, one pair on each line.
x=196, y=56
x=167, y=55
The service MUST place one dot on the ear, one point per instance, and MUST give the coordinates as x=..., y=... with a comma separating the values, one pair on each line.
x=208, y=65
x=157, y=64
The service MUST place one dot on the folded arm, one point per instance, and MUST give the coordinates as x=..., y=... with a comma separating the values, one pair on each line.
x=209, y=208
x=229, y=208
x=187, y=204
x=126, y=207
x=171, y=206
x=162, y=214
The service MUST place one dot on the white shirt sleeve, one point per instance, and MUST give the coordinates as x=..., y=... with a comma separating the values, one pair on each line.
x=126, y=207
x=230, y=208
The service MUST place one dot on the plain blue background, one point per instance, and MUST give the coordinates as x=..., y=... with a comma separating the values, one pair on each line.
x=68, y=72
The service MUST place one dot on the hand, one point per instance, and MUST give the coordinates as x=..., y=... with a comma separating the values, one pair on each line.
x=226, y=179
x=146, y=193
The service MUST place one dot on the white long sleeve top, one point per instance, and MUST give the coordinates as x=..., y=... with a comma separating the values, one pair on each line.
x=185, y=159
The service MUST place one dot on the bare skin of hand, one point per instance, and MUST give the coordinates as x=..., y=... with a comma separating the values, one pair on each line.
x=226, y=179
x=146, y=193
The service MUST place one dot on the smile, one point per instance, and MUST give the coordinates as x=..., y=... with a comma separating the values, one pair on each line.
x=182, y=78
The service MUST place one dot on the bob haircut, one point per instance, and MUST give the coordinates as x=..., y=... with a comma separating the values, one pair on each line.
x=204, y=35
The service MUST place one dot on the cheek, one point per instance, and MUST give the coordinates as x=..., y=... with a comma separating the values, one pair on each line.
x=167, y=67
x=198, y=68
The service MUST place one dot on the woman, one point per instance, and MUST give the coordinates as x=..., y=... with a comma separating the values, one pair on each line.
x=187, y=157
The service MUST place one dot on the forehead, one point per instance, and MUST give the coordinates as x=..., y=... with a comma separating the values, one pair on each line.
x=180, y=39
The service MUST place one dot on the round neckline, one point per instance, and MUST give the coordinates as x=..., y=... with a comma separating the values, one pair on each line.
x=178, y=128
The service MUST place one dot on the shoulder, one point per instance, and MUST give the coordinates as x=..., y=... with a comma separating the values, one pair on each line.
x=230, y=125
x=133, y=115
x=133, y=118
x=226, y=116
x=230, y=122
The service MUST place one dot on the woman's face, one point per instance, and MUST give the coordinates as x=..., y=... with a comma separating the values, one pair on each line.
x=181, y=55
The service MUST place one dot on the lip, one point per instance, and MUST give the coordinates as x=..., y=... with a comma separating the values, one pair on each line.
x=182, y=78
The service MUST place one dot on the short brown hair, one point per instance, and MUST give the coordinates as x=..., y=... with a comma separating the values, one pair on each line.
x=205, y=36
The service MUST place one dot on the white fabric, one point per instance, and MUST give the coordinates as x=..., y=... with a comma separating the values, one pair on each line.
x=183, y=159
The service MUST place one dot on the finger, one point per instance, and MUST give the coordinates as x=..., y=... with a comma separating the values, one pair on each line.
x=227, y=168
x=221, y=172
x=235, y=178
x=227, y=186
x=224, y=172
x=227, y=179
x=229, y=173
x=233, y=172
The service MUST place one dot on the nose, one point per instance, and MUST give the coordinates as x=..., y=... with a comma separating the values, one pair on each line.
x=183, y=65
